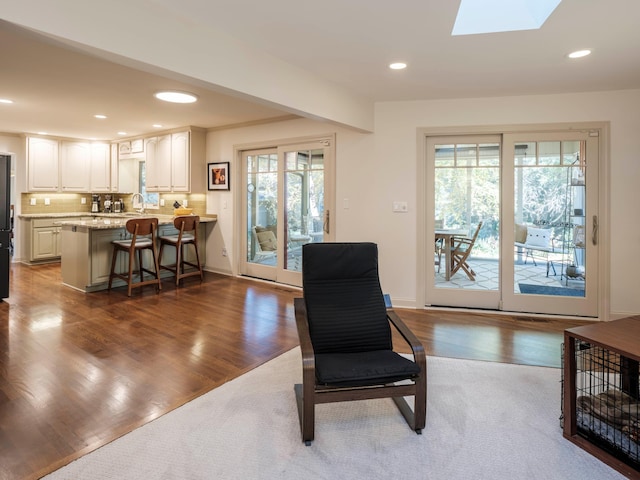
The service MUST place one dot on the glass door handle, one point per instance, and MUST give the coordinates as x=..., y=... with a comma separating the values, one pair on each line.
x=594, y=234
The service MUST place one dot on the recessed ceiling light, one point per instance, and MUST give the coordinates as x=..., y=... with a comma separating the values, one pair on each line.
x=43, y=133
x=579, y=53
x=5, y=100
x=100, y=116
x=156, y=125
x=176, y=97
x=122, y=133
x=398, y=66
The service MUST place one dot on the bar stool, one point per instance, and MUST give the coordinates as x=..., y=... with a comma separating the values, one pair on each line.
x=187, y=226
x=143, y=231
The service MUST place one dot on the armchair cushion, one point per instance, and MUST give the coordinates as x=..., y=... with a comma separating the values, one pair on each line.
x=363, y=368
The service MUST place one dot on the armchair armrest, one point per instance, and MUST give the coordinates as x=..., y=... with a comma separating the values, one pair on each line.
x=306, y=347
x=416, y=346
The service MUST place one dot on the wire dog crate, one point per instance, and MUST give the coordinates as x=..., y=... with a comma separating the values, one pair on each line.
x=600, y=401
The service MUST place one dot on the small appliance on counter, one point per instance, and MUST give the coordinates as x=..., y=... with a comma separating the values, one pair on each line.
x=95, y=203
x=117, y=206
x=107, y=204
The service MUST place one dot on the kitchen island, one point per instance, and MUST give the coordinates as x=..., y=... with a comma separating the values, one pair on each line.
x=87, y=250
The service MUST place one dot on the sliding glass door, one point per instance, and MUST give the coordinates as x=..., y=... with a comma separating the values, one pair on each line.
x=286, y=205
x=514, y=222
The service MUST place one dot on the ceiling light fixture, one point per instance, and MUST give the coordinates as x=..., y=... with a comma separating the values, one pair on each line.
x=122, y=133
x=156, y=125
x=579, y=53
x=5, y=100
x=176, y=97
x=100, y=116
x=398, y=66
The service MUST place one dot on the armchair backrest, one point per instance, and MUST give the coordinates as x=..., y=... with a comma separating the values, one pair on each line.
x=345, y=304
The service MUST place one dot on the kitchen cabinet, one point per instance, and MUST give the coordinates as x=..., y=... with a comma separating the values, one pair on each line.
x=101, y=177
x=115, y=169
x=42, y=164
x=69, y=166
x=158, y=163
x=176, y=162
x=75, y=166
x=46, y=244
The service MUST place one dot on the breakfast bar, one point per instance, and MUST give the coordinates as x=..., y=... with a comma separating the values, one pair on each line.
x=87, y=249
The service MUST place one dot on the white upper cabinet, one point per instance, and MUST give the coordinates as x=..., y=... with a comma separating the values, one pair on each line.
x=42, y=164
x=158, y=163
x=180, y=162
x=175, y=162
x=101, y=177
x=75, y=166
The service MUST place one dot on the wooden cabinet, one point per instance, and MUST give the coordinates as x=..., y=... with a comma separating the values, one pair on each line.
x=180, y=162
x=46, y=244
x=42, y=164
x=69, y=166
x=114, y=168
x=176, y=162
x=100, y=168
x=75, y=166
x=158, y=163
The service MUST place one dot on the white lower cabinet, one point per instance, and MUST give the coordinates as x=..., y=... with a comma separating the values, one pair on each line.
x=46, y=243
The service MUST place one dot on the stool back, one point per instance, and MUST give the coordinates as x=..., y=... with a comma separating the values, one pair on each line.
x=142, y=227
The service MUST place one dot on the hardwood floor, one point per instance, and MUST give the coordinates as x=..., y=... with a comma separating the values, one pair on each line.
x=79, y=370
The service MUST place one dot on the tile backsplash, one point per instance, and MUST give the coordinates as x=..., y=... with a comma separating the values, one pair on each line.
x=72, y=203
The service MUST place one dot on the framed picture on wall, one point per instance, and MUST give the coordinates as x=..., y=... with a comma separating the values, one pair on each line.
x=218, y=175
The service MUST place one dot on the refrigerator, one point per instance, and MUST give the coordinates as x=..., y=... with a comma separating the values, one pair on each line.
x=5, y=224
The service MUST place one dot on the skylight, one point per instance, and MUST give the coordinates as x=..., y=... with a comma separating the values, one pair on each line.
x=491, y=16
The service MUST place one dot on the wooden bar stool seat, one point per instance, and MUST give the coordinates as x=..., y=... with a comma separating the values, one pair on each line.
x=143, y=234
x=187, y=226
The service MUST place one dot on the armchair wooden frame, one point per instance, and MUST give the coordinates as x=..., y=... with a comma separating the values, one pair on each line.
x=310, y=393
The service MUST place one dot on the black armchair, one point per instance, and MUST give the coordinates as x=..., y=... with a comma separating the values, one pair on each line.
x=346, y=339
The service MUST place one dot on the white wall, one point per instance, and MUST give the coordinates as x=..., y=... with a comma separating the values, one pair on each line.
x=373, y=170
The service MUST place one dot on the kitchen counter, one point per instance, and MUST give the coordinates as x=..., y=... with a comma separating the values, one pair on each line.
x=109, y=221
x=87, y=248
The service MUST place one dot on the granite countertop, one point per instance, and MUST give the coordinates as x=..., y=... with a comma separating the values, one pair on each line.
x=108, y=220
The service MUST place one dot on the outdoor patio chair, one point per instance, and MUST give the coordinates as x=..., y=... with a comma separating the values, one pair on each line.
x=461, y=248
x=345, y=336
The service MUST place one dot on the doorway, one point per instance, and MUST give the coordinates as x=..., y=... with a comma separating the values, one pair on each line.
x=513, y=220
x=287, y=201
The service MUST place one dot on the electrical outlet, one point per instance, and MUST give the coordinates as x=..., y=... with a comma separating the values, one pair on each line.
x=224, y=252
x=83, y=201
x=32, y=201
x=185, y=203
x=47, y=201
x=162, y=202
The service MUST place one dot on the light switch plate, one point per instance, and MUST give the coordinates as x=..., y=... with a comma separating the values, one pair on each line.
x=32, y=201
x=47, y=201
x=400, y=207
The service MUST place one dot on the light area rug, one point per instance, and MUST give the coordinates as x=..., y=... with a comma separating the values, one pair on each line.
x=484, y=421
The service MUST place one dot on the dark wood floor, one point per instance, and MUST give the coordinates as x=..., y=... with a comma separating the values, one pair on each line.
x=79, y=370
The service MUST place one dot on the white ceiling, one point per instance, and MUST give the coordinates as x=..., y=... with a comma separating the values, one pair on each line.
x=347, y=42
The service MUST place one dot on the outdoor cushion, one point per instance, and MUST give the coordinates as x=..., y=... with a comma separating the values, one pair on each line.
x=538, y=237
x=267, y=240
x=363, y=368
x=521, y=233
